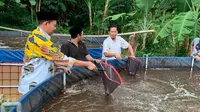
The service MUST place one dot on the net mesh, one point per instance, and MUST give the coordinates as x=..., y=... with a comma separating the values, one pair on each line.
x=111, y=78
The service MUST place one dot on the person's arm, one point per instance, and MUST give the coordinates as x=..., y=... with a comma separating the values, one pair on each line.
x=130, y=50
x=49, y=51
x=107, y=53
x=87, y=55
x=89, y=58
x=51, y=55
x=87, y=64
x=125, y=45
x=45, y=47
x=73, y=62
x=116, y=55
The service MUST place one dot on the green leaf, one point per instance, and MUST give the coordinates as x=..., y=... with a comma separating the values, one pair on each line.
x=1, y=3
x=145, y=5
x=165, y=30
x=23, y=5
x=115, y=17
x=196, y=2
x=72, y=1
x=196, y=30
x=183, y=25
x=182, y=6
x=131, y=13
x=63, y=7
x=32, y=2
x=17, y=1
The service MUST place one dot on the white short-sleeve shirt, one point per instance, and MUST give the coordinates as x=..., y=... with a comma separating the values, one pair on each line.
x=114, y=46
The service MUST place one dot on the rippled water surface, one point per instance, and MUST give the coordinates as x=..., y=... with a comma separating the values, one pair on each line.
x=155, y=91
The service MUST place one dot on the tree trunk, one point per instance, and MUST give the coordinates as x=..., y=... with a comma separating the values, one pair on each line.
x=182, y=49
x=89, y=5
x=144, y=41
x=133, y=41
x=90, y=14
x=105, y=10
x=189, y=51
x=38, y=5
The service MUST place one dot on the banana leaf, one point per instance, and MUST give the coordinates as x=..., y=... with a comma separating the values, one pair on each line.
x=183, y=25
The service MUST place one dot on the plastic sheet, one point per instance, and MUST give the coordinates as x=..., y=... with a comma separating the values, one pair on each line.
x=11, y=56
x=16, y=56
x=42, y=93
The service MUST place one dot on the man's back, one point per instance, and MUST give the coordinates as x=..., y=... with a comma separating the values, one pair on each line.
x=34, y=42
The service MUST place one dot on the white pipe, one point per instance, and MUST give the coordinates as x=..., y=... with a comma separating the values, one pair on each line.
x=64, y=76
x=192, y=64
x=106, y=61
x=64, y=79
x=146, y=61
x=11, y=104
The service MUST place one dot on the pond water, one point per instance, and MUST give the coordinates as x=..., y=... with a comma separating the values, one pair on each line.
x=151, y=91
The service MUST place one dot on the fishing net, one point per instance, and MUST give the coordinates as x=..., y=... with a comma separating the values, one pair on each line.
x=111, y=78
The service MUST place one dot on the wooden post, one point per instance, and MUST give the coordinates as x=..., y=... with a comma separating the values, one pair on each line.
x=133, y=40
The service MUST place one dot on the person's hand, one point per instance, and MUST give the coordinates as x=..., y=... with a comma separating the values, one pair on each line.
x=44, y=50
x=132, y=56
x=26, y=59
x=197, y=58
x=55, y=58
x=97, y=60
x=61, y=62
x=68, y=71
x=91, y=66
x=118, y=56
x=198, y=53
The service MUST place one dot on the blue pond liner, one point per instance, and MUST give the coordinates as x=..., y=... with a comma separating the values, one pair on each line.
x=16, y=56
x=39, y=95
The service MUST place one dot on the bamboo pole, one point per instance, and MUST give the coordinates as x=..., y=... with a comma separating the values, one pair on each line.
x=120, y=34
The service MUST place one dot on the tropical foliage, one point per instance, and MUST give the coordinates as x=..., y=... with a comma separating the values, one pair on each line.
x=176, y=22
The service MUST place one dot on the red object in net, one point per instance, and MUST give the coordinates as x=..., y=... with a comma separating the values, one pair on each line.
x=111, y=78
